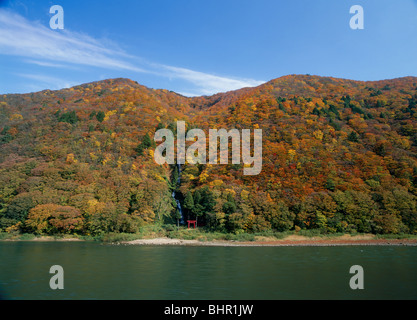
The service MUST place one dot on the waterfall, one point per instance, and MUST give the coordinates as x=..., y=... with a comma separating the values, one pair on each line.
x=173, y=195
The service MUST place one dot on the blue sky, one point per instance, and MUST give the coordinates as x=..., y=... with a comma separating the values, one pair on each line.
x=199, y=47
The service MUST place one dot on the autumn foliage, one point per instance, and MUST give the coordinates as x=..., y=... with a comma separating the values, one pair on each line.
x=338, y=156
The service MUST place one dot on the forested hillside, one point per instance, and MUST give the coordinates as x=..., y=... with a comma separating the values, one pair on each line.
x=338, y=155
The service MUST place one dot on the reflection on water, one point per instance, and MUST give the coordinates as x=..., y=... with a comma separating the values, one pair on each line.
x=96, y=271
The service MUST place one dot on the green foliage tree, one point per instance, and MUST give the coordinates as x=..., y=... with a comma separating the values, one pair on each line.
x=69, y=117
x=280, y=217
x=330, y=185
x=235, y=222
x=353, y=137
x=145, y=144
x=229, y=207
x=5, y=136
x=189, y=202
x=177, y=216
x=100, y=116
x=19, y=207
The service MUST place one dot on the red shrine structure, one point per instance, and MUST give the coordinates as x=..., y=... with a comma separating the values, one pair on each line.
x=193, y=222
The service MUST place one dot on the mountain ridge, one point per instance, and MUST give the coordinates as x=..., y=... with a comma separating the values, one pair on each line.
x=338, y=156
x=121, y=80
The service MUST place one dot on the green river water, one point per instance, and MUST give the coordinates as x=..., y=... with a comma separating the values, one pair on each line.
x=98, y=271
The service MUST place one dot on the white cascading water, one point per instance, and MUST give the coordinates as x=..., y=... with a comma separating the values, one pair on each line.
x=173, y=195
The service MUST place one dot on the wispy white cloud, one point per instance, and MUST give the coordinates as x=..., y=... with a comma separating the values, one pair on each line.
x=53, y=83
x=21, y=37
x=209, y=83
x=56, y=49
x=46, y=64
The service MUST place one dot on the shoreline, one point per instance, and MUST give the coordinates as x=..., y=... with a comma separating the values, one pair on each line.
x=286, y=242
x=291, y=240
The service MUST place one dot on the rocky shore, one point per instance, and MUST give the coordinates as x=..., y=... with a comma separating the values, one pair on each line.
x=288, y=241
